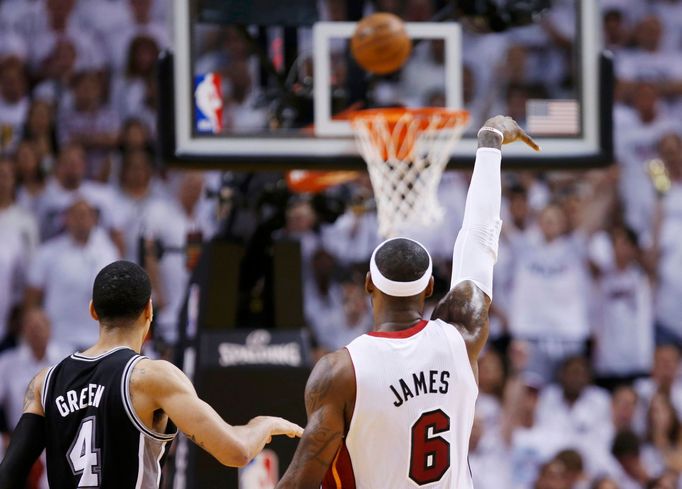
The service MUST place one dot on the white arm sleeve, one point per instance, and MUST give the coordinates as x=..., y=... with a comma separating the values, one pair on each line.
x=475, y=250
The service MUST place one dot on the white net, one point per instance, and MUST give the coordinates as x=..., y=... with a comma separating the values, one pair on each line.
x=406, y=152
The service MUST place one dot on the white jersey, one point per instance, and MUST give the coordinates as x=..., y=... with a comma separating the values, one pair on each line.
x=414, y=409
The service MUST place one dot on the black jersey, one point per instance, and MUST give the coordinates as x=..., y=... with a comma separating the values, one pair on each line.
x=94, y=437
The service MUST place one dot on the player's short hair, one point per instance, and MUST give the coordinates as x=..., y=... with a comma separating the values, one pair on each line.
x=402, y=260
x=120, y=293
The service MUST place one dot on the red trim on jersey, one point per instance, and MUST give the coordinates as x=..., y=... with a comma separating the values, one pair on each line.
x=405, y=333
x=340, y=474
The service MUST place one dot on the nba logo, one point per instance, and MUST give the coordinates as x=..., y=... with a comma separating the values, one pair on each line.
x=261, y=473
x=208, y=103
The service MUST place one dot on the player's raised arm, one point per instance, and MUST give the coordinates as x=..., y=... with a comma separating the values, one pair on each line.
x=28, y=438
x=475, y=253
x=328, y=394
x=159, y=385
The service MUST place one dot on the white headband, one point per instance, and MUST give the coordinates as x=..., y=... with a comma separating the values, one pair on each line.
x=398, y=289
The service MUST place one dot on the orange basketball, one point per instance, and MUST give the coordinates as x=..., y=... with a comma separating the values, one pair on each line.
x=380, y=43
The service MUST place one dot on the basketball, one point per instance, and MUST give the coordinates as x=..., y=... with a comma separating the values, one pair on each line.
x=380, y=43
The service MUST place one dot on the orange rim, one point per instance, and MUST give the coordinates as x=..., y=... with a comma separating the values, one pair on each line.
x=450, y=117
x=404, y=130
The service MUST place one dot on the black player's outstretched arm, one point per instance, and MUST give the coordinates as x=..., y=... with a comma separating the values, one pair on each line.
x=161, y=386
x=329, y=395
x=28, y=439
x=466, y=305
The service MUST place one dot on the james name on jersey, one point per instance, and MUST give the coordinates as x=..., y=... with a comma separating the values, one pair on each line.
x=91, y=395
x=433, y=382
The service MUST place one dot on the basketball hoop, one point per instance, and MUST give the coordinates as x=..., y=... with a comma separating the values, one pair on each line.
x=406, y=151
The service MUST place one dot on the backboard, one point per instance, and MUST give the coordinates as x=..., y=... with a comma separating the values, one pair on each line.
x=272, y=91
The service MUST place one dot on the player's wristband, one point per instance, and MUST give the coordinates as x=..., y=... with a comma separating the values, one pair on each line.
x=491, y=129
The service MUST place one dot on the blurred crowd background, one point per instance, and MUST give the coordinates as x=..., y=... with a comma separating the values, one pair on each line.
x=580, y=387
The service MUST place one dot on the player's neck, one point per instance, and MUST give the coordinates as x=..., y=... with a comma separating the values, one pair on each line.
x=110, y=338
x=396, y=320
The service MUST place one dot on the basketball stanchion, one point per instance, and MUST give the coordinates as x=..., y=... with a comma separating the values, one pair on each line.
x=406, y=151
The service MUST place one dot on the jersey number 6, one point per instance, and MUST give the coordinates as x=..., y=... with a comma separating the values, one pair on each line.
x=429, y=454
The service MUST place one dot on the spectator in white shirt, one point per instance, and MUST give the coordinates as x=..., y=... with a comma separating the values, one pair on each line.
x=30, y=178
x=336, y=312
x=18, y=366
x=663, y=448
x=548, y=305
x=134, y=93
x=40, y=131
x=13, y=265
x=135, y=196
x=616, y=30
x=667, y=248
x=179, y=225
x=624, y=404
x=649, y=62
x=52, y=20
x=14, y=103
x=68, y=184
x=13, y=218
x=574, y=406
x=488, y=456
x=61, y=276
x=491, y=382
x=18, y=234
x=301, y=226
x=636, y=142
x=57, y=70
x=353, y=236
x=624, y=331
x=663, y=379
x=90, y=123
x=138, y=20
x=530, y=443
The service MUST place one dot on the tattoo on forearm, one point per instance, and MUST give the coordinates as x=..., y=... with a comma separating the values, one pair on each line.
x=30, y=395
x=324, y=431
x=318, y=443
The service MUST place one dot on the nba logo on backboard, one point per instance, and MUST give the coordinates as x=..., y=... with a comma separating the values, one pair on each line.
x=261, y=473
x=208, y=103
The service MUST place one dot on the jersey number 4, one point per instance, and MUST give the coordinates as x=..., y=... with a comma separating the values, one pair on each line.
x=84, y=457
x=429, y=453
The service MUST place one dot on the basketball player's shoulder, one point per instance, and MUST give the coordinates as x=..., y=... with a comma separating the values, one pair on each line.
x=154, y=376
x=332, y=377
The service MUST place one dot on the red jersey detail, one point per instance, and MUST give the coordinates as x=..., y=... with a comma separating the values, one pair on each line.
x=405, y=333
x=340, y=475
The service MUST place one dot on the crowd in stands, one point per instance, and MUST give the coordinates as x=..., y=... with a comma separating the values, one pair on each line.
x=581, y=385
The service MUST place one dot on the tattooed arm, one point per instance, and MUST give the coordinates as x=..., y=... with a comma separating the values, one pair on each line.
x=28, y=438
x=32, y=402
x=466, y=308
x=329, y=402
x=475, y=253
x=160, y=386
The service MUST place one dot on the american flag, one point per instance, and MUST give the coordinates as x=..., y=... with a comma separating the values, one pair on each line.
x=553, y=117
